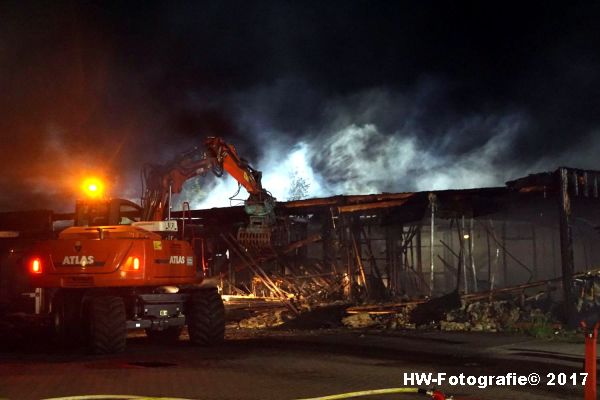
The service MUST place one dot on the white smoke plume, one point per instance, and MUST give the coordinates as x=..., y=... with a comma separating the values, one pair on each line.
x=378, y=141
x=362, y=160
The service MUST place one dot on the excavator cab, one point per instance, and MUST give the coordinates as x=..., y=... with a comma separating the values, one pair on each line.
x=102, y=212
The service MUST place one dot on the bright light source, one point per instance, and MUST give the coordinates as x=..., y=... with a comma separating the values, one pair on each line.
x=93, y=187
x=136, y=263
x=466, y=236
x=36, y=266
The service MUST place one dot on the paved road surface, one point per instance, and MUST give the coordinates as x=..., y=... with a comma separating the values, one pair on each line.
x=282, y=365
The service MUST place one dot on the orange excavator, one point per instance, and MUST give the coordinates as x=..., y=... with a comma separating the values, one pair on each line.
x=162, y=181
x=123, y=266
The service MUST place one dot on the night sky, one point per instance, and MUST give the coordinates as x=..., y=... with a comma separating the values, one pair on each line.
x=348, y=96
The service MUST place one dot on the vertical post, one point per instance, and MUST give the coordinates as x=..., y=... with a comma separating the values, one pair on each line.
x=170, y=198
x=534, y=254
x=388, y=258
x=345, y=233
x=326, y=241
x=418, y=250
x=504, y=259
x=590, y=362
x=489, y=257
x=463, y=254
x=566, y=243
x=230, y=277
x=496, y=258
x=543, y=253
x=553, y=247
x=449, y=235
x=401, y=271
x=359, y=263
x=471, y=258
x=394, y=265
x=432, y=205
x=411, y=263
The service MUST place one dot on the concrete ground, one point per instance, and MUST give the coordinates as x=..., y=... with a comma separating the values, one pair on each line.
x=287, y=365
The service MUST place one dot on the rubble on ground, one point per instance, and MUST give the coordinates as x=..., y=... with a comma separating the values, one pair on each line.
x=482, y=316
x=307, y=285
x=361, y=320
x=478, y=316
x=265, y=320
x=475, y=316
x=523, y=308
x=325, y=316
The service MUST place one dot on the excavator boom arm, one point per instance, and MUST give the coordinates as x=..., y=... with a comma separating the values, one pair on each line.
x=238, y=168
x=161, y=180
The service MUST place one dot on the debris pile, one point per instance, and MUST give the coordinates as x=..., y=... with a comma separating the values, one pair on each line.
x=359, y=321
x=474, y=316
x=531, y=308
x=482, y=316
x=307, y=286
x=507, y=309
x=266, y=319
x=478, y=316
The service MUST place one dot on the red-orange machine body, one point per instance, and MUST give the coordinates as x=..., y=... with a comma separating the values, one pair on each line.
x=122, y=266
x=112, y=256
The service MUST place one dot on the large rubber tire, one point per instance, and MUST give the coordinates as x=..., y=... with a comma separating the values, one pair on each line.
x=67, y=322
x=108, y=325
x=205, y=317
x=171, y=334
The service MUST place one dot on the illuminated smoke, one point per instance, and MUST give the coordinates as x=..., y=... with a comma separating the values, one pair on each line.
x=278, y=177
x=362, y=160
x=377, y=141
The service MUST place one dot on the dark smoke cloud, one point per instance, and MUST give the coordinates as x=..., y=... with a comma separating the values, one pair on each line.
x=351, y=96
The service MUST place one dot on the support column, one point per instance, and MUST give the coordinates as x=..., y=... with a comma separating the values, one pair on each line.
x=489, y=258
x=432, y=205
x=471, y=256
x=463, y=253
x=389, y=258
x=536, y=273
x=329, y=256
x=341, y=227
x=566, y=243
x=418, y=246
x=504, y=260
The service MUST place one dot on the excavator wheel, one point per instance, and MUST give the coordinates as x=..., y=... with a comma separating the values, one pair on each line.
x=205, y=317
x=108, y=326
x=66, y=319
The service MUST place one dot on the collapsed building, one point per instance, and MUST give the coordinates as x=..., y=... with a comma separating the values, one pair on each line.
x=543, y=227
x=535, y=231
